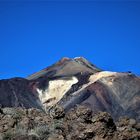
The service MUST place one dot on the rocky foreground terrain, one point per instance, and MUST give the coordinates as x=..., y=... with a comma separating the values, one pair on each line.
x=71, y=100
x=78, y=124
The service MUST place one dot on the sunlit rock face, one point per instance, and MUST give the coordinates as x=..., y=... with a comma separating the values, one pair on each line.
x=55, y=91
x=70, y=82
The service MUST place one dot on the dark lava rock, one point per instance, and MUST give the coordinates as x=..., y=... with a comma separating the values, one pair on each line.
x=80, y=123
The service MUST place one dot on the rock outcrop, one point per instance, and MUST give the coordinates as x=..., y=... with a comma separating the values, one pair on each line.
x=80, y=123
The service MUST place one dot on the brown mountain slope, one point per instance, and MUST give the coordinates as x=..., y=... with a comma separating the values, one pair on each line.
x=70, y=82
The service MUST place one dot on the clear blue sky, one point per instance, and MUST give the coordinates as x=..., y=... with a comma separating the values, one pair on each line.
x=35, y=34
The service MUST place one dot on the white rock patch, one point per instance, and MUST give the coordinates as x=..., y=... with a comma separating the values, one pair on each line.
x=56, y=90
x=102, y=74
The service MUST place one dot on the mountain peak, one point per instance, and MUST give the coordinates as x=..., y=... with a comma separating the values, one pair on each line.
x=79, y=58
x=66, y=67
x=64, y=59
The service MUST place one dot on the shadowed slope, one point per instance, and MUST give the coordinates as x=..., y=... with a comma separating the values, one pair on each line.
x=16, y=92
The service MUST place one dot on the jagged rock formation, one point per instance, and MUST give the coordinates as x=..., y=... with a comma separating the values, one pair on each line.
x=78, y=124
x=71, y=82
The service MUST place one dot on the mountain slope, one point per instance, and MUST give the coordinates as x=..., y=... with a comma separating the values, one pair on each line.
x=70, y=82
x=66, y=67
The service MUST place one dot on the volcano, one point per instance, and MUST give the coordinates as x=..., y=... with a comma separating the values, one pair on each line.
x=71, y=82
